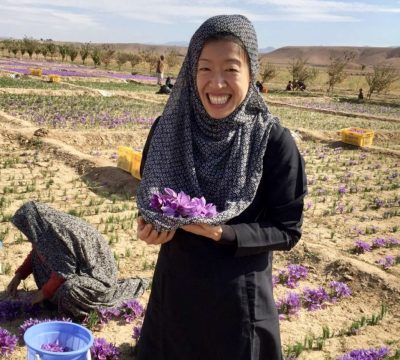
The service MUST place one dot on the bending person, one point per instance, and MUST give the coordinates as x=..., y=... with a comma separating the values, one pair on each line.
x=71, y=262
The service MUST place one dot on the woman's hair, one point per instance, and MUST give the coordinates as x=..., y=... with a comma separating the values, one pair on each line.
x=225, y=36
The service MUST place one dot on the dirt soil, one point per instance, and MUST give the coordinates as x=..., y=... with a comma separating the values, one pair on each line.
x=77, y=171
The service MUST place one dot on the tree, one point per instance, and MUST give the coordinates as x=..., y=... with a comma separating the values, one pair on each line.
x=268, y=72
x=84, y=52
x=29, y=45
x=51, y=48
x=336, y=73
x=107, y=54
x=95, y=54
x=172, y=58
x=122, y=58
x=150, y=58
x=14, y=47
x=44, y=50
x=72, y=52
x=134, y=59
x=63, y=50
x=301, y=72
x=38, y=50
x=381, y=79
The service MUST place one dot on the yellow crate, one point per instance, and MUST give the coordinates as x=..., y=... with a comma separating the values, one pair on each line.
x=135, y=164
x=36, y=72
x=129, y=160
x=357, y=136
x=54, y=78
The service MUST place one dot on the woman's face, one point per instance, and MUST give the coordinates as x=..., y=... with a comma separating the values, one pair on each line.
x=223, y=77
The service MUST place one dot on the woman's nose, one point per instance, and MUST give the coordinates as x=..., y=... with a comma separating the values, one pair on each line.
x=218, y=80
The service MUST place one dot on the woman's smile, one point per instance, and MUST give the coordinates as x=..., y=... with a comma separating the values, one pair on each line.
x=223, y=77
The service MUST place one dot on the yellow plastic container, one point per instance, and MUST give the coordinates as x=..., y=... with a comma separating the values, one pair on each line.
x=129, y=160
x=135, y=164
x=36, y=72
x=357, y=136
x=54, y=78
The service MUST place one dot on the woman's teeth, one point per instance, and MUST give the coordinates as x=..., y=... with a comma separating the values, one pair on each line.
x=218, y=100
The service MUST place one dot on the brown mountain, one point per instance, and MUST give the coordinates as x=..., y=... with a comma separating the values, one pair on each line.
x=320, y=55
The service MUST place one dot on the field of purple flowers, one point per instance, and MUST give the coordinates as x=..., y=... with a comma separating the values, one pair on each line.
x=337, y=292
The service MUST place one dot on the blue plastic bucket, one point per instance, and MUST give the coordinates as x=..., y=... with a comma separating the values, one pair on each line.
x=69, y=335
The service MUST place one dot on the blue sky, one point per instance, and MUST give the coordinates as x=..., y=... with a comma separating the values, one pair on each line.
x=278, y=22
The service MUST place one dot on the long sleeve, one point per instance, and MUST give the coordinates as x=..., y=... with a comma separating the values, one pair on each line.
x=26, y=268
x=282, y=200
x=51, y=286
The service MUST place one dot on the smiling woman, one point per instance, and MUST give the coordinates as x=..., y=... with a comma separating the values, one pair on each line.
x=223, y=76
x=216, y=140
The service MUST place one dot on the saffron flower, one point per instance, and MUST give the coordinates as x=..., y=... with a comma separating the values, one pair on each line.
x=8, y=342
x=182, y=205
x=291, y=276
x=315, y=299
x=361, y=247
x=102, y=350
x=366, y=354
x=288, y=306
x=387, y=262
x=338, y=290
x=54, y=347
x=132, y=310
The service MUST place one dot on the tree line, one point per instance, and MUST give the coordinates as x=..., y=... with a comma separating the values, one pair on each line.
x=379, y=80
x=99, y=54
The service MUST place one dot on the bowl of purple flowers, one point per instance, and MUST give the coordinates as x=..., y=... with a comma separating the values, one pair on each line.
x=58, y=340
x=171, y=203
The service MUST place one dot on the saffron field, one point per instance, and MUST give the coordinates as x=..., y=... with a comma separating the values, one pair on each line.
x=337, y=292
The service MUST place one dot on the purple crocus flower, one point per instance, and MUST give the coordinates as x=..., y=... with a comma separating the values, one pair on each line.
x=180, y=204
x=338, y=290
x=289, y=305
x=54, y=347
x=8, y=342
x=366, y=354
x=361, y=247
x=386, y=262
x=103, y=350
x=378, y=242
x=315, y=299
x=131, y=310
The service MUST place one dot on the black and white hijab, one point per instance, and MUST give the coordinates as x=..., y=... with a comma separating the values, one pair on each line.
x=222, y=159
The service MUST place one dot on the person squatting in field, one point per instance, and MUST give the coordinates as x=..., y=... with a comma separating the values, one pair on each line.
x=212, y=294
x=71, y=262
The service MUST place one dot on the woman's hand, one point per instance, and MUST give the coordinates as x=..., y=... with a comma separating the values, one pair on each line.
x=37, y=297
x=13, y=285
x=150, y=236
x=210, y=231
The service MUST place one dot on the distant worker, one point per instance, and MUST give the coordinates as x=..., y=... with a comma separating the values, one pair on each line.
x=160, y=70
x=360, y=95
x=168, y=82
x=289, y=86
x=301, y=86
x=259, y=86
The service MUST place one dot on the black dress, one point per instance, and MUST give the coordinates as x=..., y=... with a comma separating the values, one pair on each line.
x=214, y=300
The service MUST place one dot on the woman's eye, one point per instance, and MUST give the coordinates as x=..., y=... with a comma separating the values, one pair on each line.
x=203, y=68
x=233, y=70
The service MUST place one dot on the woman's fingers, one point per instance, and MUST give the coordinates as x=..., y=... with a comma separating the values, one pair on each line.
x=149, y=235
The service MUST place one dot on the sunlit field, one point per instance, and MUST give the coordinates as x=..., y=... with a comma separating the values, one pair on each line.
x=336, y=291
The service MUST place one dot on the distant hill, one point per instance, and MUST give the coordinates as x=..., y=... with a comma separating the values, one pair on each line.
x=320, y=55
x=266, y=50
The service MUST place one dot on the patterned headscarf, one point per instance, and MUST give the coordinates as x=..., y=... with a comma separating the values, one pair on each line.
x=222, y=159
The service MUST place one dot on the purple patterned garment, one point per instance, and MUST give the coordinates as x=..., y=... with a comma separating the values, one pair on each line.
x=222, y=159
x=76, y=251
